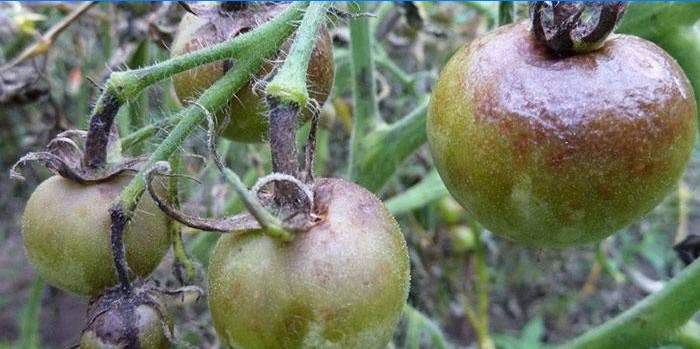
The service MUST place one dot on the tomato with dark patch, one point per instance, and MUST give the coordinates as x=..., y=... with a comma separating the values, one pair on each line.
x=340, y=284
x=557, y=151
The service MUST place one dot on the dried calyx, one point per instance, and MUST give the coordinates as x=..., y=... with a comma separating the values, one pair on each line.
x=574, y=27
x=241, y=223
x=64, y=156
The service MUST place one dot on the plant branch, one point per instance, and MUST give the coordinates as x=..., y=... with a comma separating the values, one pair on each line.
x=481, y=285
x=653, y=320
x=125, y=85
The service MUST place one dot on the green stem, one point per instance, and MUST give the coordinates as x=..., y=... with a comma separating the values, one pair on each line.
x=481, y=287
x=366, y=114
x=651, y=321
x=689, y=336
x=376, y=163
x=190, y=118
x=29, y=337
x=429, y=189
x=271, y=224
x=213, y=99
x=289, y=84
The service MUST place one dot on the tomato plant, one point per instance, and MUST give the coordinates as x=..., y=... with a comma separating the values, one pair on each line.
x=551, y=132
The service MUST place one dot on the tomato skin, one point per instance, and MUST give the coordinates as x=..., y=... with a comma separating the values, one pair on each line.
x=341, y=284
x=110, y=329
x=66, y=227
x=247, y=110
x=553, y=151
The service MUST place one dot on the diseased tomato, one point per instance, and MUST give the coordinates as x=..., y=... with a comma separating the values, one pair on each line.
x=140, y=320
x=554, y=151
x=66, y=231
x=340, y=284
x=247, y=109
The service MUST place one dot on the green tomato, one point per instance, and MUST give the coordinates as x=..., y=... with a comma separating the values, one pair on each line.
x=553, y=151
x=66, y=231
x=340, y=284
x=247, y=109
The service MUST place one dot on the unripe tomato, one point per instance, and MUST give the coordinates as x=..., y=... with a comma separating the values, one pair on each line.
x=341, y=284
x=247, y=109
x=554, y=151
x=66, y=231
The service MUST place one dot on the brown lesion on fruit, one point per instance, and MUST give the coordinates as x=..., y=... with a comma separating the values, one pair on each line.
x=530, y=97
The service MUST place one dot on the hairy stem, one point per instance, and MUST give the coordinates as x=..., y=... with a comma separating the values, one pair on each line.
x=481, y=286
x=651, y=321
x=289, y=84
x=126, y=85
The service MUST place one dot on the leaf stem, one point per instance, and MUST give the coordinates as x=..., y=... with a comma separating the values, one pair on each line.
x=366, y=114
x=653, y=320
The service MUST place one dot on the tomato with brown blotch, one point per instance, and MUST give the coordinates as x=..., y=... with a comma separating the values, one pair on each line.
x=342, y=283
x=558, y=151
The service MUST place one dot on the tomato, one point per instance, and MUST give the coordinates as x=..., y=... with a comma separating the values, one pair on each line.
x=247, y=109
x=66, y=231
x=553, y=151
x=342, y=283
x=119, y=321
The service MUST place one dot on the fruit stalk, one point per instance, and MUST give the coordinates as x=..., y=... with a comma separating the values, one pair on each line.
x=124, y=86
x=283, y=124
x=286, y=93
x=573, y=27
x=651, y=321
